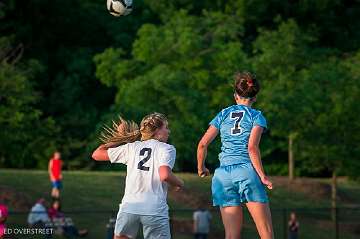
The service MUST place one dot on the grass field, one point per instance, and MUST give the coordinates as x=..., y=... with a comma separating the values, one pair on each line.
x=91, y=197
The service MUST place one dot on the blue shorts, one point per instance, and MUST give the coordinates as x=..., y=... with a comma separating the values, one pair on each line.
x=57, y=184
x=236, y=184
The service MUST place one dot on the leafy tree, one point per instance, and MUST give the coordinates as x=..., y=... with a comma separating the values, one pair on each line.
x=178, y=62
x=332, y=139
x=332, y=21
x=26, y=137
x=63, y=36
x=181, y=68
x=280, y=56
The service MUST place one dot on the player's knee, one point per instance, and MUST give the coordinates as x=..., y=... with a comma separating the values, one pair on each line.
x=233, y=235
x=266, y=233
x=120, y=237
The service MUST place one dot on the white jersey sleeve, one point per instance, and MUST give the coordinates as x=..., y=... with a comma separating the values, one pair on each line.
x=167, y=156
x=119, y=154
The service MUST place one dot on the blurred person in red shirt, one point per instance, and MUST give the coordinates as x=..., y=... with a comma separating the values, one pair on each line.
x=55, y=166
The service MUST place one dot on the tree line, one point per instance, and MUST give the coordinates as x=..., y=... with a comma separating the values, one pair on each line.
x=69, y=67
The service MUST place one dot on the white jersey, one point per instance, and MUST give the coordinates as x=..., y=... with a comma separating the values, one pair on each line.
x=144, y=194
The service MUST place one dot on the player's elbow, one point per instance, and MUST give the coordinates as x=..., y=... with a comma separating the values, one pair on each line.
x=164, y=173
x=202, y=146
x=252, y=148
x=97, y=155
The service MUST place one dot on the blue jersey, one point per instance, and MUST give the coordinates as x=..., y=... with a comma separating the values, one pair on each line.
x=235, y=124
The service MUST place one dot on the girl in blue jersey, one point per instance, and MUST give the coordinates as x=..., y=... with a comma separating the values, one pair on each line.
x=240, y=179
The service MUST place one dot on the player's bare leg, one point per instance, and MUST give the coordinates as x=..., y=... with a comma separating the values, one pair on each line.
x=232, y=218
x=55, y=193
x=261, y=215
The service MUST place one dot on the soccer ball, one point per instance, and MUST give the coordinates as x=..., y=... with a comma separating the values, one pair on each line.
x=119, y=8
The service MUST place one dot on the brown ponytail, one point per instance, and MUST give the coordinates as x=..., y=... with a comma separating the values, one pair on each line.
x=246, y=85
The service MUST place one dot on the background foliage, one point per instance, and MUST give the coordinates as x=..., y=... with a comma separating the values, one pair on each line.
x=69, y=67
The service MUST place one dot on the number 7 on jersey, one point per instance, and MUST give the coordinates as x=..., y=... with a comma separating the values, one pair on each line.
x=238, y=116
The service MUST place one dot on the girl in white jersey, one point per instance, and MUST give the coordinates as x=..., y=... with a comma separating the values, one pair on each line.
x=149, y=171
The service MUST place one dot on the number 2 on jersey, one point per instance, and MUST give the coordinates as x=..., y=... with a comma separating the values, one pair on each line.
x=238, y=116
x=144, y=160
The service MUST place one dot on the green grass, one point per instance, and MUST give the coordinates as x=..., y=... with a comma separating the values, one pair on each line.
x=90, y=197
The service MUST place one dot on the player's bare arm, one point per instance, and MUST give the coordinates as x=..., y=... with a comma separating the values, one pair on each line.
x=100, y=154
x=166, y=175
x=52, y=178
x=254, y=153
x=208, y=137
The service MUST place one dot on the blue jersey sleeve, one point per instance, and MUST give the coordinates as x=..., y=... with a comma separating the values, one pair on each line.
x=217, y=120
x=260, y=120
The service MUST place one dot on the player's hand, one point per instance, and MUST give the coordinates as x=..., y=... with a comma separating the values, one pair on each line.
x=178, y=188
x=181, y=186
x=203, y=172
x=265, y=180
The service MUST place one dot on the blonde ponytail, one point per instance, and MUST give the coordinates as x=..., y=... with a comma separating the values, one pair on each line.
x=128, y=131
x=120, y=133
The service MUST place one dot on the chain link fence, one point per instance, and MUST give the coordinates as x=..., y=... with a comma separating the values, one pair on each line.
x=319, y=223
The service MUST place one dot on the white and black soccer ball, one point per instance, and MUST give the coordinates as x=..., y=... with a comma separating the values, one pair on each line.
x=119, y=8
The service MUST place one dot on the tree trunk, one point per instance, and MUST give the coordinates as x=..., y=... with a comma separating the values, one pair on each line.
x=291, y=157
x=333, y=195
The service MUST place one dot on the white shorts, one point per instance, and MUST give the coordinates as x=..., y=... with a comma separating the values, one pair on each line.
x=154, y=227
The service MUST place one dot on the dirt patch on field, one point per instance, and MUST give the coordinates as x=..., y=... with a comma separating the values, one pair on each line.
x=191, y=198
x=311, y=187
x=182, y=226
x=185, y=227
x=15, y=201
x=350, y=227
